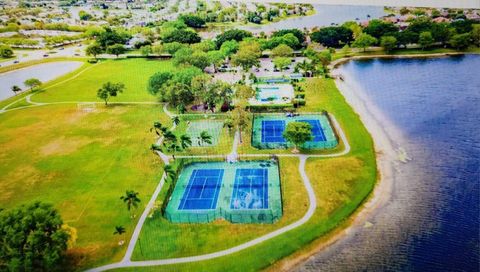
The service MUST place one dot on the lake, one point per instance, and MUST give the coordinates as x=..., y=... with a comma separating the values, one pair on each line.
x=44, y=72
x=325, y=15
x=431, y=109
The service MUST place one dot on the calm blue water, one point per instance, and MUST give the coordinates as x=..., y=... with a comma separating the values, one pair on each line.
x=432, y=221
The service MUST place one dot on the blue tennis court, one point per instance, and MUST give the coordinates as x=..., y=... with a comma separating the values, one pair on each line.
x=317, y=131
x=202, y=190
x=272, y=131
x=250, y=190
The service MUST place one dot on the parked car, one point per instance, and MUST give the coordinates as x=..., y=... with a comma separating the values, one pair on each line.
x=16, y=61
x=46, y=55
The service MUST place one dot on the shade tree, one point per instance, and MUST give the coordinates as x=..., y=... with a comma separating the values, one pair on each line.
x=116, y=49
x=363, y=41
x=248, y=55
x=94, y=50
x=460, y=41
x=378, y=28
x=298, y=133
x=110, y=89
x=388, y=43
x=333, y=36
x=425, y=40
x=6, y=51
x=233, y=34
x=32, y=83
x=282, y=50
x=34, y=238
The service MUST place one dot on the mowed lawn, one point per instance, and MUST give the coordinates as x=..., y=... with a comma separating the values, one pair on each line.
x=134, y=73
x=82, y=162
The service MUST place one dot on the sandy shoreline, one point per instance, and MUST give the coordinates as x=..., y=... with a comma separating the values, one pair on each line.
x=387, y=159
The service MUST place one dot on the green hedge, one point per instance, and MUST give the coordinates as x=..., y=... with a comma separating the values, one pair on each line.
x=270, y=108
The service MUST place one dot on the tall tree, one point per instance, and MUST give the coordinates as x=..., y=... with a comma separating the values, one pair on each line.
x=460, y=41
x=363, y=41
x=388, y=43
x=32, y=83
x=282, y=50
x=216, y=58
x=205, y=138
x=282, y=62
x=110, y=89
x=298, y=133
x=193, y=20
x=233, y=34
x=378, y=28
x=116, y=49
x=229, y=48
x=157, y=81
x=476, y=34
x=333, y=36
x=32, y=238
x=94, y=50
x=159, y=129
x=425, y=40
x=131, y=200
x=247, y=56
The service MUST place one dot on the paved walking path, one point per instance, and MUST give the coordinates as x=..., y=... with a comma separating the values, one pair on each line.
x=126, y=261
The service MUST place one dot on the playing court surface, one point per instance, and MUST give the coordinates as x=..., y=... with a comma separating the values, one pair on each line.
x=250, y=190
x=202, y=190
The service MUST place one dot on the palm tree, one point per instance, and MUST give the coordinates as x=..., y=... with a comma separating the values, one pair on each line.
x=16, y=89
x=176, y=120
x=228, y=123
x=155, y=147
x=157, y=127
x=119, y=230
x=169, y=137
x=131, y=199
x=170, y=172
x=185, y=141
x=205, y=137
x=173, y=147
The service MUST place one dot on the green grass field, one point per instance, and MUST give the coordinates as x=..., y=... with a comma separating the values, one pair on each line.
x=341, y=185
x=134, y=73
x=82, y=162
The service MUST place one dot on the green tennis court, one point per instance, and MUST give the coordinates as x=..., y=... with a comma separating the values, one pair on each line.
x=240, y=192
x=213, y=128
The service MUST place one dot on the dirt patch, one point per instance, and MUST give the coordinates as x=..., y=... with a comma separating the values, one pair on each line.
x=63, y=146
